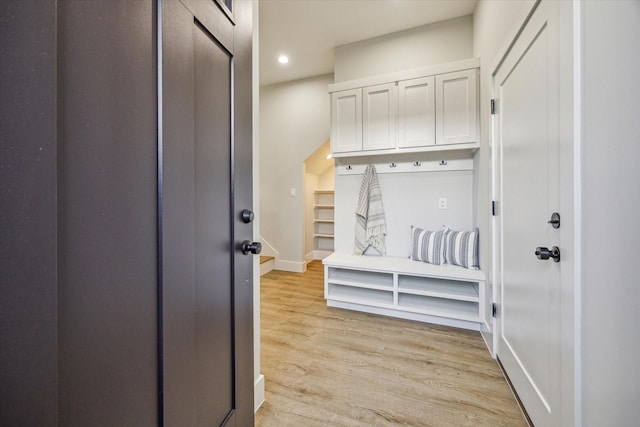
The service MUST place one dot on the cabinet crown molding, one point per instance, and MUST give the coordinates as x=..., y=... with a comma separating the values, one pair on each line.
x=465, y=64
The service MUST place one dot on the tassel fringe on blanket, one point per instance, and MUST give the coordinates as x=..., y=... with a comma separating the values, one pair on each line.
x=370, y=222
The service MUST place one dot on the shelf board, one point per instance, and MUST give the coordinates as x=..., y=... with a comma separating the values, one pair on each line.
x=324, y=192
x=360, y=295
x=360, y=278
x=323, y=206
x=331, y=221
x=462, y=310
x=440, y=288
x=326, y=236
x=345, y=284
x=401, y=265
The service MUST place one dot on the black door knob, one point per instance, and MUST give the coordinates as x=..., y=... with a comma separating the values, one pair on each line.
x=247, y=216
x=555, y=220
x=253, y=247
x=546, y=253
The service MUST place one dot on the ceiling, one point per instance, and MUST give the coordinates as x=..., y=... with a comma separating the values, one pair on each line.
x=308, y=30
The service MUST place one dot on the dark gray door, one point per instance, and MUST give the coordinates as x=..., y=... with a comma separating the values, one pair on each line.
x=125, y=161
x=78, y=203
x=206, y=280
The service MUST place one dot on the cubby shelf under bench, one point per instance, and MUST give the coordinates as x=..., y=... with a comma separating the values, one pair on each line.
x=400, y=287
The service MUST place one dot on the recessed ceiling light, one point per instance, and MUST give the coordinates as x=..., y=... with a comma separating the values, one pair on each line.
x=283, y=59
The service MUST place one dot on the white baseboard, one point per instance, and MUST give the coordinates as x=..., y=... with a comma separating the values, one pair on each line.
x=487, y=337
x=309, y=257
x=258, y=393
x=293, y=266
x=318, y=254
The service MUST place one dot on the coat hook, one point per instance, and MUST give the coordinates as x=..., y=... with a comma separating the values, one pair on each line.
x=417, y=163
x=442, y=163
x=392, y=165
x=349, y=168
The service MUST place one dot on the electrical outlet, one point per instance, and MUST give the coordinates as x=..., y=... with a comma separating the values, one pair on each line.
x=442, y=203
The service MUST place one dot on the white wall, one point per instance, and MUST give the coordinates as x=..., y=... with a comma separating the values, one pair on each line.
x=408, y=199
x=493, y=21
x=294, y=122
x=326, y=180
x=431, y=44
x=610, y=330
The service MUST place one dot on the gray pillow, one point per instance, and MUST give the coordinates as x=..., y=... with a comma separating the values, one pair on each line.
x=427, y=246
x=461, y=248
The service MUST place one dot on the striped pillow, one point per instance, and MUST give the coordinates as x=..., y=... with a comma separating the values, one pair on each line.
x=427, y=246
x=461, y=248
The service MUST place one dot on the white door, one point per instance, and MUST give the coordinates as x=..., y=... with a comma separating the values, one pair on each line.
x=457, y=107
x=379, y=116
x=346, y=121
x=416, y=113
x=529, y=289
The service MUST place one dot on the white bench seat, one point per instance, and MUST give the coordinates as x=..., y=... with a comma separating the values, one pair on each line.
x=400, y=287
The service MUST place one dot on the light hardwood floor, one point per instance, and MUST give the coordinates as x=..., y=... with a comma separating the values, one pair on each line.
x=332, y=367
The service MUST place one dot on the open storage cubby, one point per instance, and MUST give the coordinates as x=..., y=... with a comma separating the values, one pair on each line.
x=323, y=220
x=462, y=310
x=400, y=287
x=442, y=288
x=360, y=295
x=368, y=279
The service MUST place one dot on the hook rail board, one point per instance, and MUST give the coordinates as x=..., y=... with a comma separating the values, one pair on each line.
x=405, y=167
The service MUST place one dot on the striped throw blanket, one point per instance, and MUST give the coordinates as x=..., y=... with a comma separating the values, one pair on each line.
x=370, y=223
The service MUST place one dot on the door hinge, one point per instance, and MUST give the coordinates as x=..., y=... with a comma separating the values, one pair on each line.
x=494, y=310
x=494, y=208
x=493, y=106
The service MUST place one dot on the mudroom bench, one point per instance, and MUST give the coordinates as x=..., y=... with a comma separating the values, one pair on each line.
x=400, y=287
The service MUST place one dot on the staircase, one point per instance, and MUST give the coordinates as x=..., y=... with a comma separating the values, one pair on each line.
x=267, y=263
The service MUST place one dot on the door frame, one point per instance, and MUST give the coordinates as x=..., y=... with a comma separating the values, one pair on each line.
x=569, y=15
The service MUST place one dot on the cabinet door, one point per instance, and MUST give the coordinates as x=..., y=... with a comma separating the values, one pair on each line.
x=346, y=121
x=456, y=107
x=380, y=112
x=416, y=113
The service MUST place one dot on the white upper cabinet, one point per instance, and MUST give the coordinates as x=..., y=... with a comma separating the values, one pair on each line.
x=428, y=109
x=416, y=113
x=379, y=116
x=456, y=108
x=346, y=121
